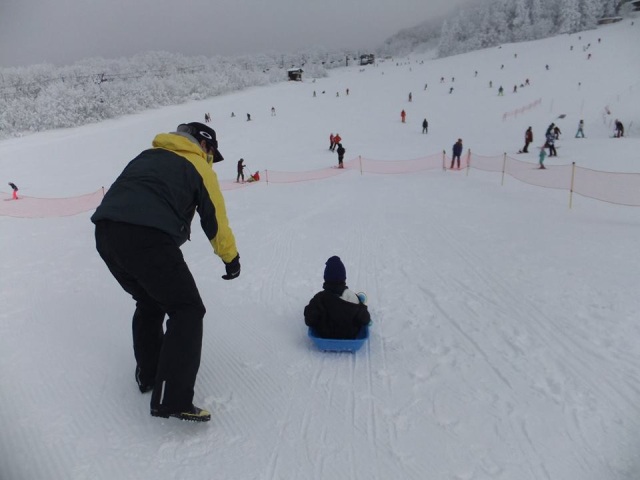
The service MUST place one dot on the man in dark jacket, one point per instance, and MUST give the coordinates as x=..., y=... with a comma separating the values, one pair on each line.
x=425, y=126
x=336, y=311
x=528, y=138
x=341, y=151
x=241, y=167
x=457, y=151
x=143, y=219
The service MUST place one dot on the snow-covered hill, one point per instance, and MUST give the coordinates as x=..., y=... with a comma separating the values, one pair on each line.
x=505, y=335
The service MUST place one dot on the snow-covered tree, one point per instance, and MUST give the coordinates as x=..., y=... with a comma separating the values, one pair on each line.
x=569, y=20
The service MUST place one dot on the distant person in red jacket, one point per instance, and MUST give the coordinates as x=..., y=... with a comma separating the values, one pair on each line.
x=403, y=116
x=15, y=190
x=336, y=140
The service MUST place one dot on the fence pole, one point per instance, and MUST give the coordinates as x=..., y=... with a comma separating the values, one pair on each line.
x=360, y=160
x=573, y=174
x=444, y=167
x=504, y=167
x=468, y=161
x=266, y=175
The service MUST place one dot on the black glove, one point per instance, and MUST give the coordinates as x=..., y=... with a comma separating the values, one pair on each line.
x=233, y=268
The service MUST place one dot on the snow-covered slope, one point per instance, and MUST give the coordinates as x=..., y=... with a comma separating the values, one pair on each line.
x=505, y=335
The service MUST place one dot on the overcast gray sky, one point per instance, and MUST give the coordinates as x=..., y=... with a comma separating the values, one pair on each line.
x=63, y=31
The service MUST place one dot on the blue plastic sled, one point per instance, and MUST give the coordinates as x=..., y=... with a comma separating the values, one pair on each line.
x=340, y=345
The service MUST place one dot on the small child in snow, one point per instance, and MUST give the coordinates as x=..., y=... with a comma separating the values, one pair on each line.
x=541, y=157
x=336, y=311
x=255, y=177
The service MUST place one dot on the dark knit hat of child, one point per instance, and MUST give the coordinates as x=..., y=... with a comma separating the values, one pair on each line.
x=334, y=270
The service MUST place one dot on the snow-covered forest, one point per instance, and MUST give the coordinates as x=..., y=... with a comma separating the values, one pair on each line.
x=44, y=97
x=492, y=22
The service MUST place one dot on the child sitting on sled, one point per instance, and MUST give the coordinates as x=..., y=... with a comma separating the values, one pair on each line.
x=336, y=311
x=254, y=178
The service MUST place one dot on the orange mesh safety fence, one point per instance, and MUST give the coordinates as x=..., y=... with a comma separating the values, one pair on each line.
x=612, y=187
x=557, y=176
x=275, y=176
x=33, y=207
x=368, y=165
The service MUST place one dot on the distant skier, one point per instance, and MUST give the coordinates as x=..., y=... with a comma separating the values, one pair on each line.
x=528, y=138
x=410, y=96
x=241, y=167
x=619, y=129
x=541, y=157
x=457, y=151
x=341, y=151
x=15, y=190
x=550, y=144
x=580, y=132
x=403, y=116
x=500, y=91
x=336, y=140
x=549, y=129
x=425, y=126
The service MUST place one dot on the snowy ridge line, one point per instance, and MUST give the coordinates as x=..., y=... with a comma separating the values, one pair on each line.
x=612, y=187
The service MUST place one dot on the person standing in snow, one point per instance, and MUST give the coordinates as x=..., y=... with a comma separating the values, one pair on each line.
x=341, y=151
x=580, y=132
x=403, y=116
x=541, y=157
x=457, y=151
x=331, y=141
x=241, y=167
x=549, y=129
x=619, y=129
x=13, y=186
x=140, y=225
x=336, y=140
x=528, y=138
x=336, y=311
x=550, y=144
x=425, y=126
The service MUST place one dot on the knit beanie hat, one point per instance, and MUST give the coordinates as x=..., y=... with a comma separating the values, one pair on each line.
x=334, y=270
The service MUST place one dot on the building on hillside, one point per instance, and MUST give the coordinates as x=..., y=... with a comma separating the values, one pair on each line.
x=607, y=20
x=295, y=74
x=367, y=59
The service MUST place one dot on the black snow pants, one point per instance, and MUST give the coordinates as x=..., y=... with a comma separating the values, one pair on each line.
x=149, y=265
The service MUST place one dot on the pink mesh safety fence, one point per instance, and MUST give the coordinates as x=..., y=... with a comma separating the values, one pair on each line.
x=33, y=207
x=611, y=187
